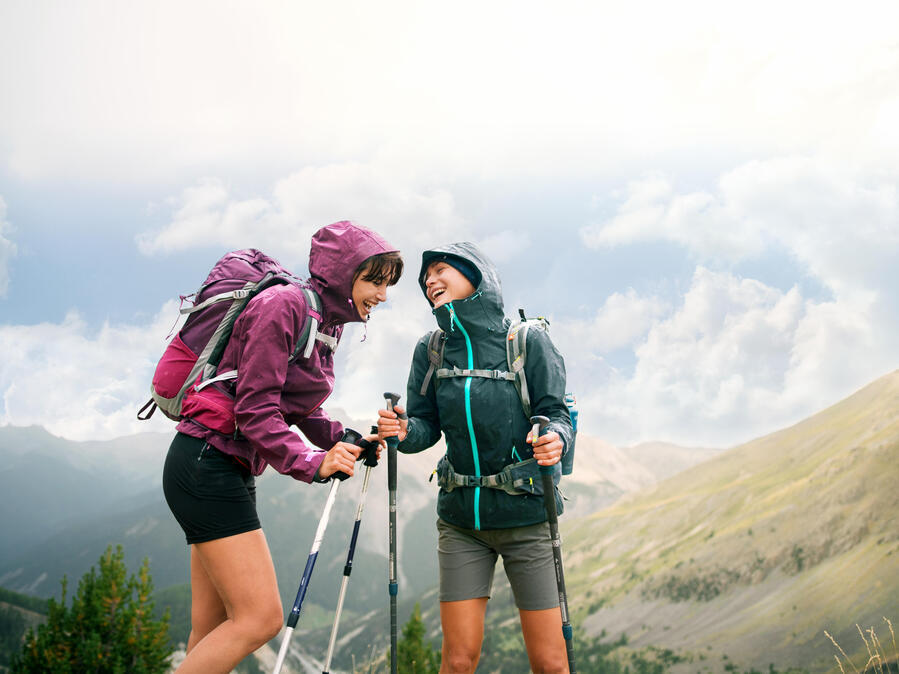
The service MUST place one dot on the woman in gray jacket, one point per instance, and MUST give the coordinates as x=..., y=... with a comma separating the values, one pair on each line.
x=490, y=501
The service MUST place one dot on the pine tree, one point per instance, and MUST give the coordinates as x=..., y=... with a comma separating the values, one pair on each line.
x=413, y=654
x=109, y=626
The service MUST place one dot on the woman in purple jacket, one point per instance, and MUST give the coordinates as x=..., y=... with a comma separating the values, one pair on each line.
x=209, y=477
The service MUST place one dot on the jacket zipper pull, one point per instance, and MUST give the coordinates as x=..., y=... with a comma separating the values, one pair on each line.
x=452, y=314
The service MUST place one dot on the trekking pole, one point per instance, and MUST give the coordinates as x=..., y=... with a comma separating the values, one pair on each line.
x=370, y=456
x=549, y=502
x=392, y=587
x=352, y=437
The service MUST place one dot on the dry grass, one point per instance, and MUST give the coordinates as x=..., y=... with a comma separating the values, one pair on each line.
x=878, y=661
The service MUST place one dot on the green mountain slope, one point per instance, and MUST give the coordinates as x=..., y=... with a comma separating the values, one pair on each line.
x=754, y=553
x=18, y=613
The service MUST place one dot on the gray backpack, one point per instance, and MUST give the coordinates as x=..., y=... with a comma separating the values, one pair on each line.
x=516, y=356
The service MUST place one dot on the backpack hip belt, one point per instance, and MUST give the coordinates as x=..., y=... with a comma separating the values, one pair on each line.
x=518, y=478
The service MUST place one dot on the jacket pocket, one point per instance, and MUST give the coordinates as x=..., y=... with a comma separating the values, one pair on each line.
x=211, y=407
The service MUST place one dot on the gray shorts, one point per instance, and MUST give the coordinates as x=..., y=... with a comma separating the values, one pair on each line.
x=468, y=558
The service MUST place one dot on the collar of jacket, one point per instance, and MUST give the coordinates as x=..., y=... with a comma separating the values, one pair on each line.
x=477, y=314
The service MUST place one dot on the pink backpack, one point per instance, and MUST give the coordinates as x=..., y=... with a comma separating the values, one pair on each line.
x=190, y=362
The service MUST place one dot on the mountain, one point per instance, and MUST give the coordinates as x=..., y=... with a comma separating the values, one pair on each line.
x=76, y=498
x=663, y=459
x=754, y=553
x=737, y=562
x=54, y=483
x=18, y=613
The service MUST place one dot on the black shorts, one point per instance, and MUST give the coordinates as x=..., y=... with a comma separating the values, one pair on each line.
x=209, y=493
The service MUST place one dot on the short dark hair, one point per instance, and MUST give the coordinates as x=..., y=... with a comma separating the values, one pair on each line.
x=379, y=268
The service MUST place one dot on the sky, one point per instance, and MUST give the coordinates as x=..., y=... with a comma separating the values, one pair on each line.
x=701, y=197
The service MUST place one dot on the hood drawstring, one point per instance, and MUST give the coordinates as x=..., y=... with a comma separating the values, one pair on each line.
x=452, y=313
x=364, y=330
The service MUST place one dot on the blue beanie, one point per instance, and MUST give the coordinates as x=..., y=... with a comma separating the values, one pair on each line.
x=463, y=266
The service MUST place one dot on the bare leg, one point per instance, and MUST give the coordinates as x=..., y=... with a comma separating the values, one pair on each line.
x=463, y=634
x=542, y=631
x=206, y=608
x=241, y=571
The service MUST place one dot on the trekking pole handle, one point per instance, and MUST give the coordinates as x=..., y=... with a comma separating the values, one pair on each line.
x=391, y=399
x=350, y=437
x=539, y=423
x=369, y=455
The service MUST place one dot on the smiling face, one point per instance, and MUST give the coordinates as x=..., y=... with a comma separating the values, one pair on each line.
x=370, y=281
x=367, y=295
x=444, y=283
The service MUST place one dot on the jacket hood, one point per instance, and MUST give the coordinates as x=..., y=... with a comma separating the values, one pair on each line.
x=336, y=252
x=484, y=307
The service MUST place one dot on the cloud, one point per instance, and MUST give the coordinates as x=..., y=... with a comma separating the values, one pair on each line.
x=7, y=248
x=836, y=219
x=79, y=383
x=622, y=322
x=312, y=81
x=402, y=207
x=735, y=359
x=504, y=246
x=373, y=195
x=83, y=384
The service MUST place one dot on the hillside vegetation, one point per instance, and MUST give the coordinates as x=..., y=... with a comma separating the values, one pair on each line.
x=757, y=551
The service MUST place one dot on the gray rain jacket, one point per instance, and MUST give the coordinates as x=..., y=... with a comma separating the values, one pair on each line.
x=482, y=419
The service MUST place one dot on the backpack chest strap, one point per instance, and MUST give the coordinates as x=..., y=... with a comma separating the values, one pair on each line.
x=446, y=373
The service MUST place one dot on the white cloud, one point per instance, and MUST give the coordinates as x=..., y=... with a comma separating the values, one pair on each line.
x=81, y=384
x=374, y=195
x=838, y=220
x=157, y=90
x=7, y=248
x=736, y=359
x=502, y=246
x=78, y=383
x=621, y=322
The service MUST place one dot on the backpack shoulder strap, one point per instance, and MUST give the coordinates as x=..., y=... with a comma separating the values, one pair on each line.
x=435, y=358
x=516, y=354
x=306, y=340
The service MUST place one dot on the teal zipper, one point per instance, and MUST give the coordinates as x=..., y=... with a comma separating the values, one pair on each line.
x=474, y=442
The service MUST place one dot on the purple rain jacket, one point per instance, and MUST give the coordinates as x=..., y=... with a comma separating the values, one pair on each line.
x=271, y=394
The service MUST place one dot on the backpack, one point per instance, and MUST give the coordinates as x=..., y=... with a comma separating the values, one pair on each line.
x=190, y=362
x=516, y=356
